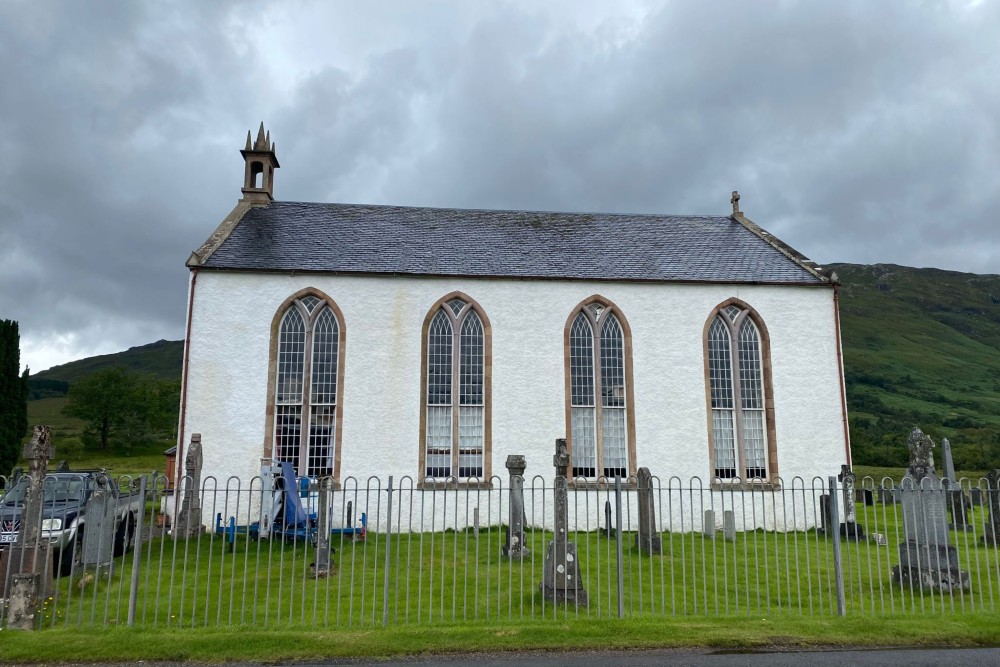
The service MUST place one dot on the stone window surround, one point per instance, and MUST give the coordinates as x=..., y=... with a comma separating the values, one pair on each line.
x=453, y=482
x=772, y=481
x=272, y=376
x=609, y=306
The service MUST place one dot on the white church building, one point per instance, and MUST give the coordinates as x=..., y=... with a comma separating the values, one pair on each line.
x=354, y=341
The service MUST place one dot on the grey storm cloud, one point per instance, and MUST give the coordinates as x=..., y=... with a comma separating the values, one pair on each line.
x=856, y=131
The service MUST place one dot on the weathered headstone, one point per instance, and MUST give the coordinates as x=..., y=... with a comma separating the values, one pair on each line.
x=824, y=513
x=958, y=502
x=926, y=559
x=991, y=531
x=28, y=562
x=850, y=529
x=189, y=520
x=609, y=528
x=729, y=525
x=976, y=497
x=99, y=537
x=514, y=547
x=324, y=523
x=647, y=540
x=561, y=576
x=949, y=462
x=708, y=525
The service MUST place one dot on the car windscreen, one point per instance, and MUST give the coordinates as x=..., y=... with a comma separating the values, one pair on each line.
x=60, y=489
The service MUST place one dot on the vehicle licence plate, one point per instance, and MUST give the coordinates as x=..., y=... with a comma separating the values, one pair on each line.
x=8, y=537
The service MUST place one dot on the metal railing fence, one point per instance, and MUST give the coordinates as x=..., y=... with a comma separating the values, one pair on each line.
x=406, y=552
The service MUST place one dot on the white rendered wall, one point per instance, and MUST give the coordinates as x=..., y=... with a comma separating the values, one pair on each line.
x=383, y=318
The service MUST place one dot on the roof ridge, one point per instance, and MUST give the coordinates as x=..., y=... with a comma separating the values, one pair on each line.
x=708, y=216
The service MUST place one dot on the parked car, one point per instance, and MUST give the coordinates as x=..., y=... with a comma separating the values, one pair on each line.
x=63, y=514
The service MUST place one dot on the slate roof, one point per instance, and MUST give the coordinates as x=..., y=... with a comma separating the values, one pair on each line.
x=348, y=238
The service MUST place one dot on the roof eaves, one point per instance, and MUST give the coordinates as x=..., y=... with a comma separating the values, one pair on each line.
x=219, y=236
x=782, y=247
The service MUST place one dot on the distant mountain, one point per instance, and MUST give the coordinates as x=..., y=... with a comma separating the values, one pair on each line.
x=921, y=348
x=162, y=359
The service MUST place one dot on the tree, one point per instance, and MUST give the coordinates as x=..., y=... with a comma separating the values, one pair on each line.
x=13, y=396
x=122, y=409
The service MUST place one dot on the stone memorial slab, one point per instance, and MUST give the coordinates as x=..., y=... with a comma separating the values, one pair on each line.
x=99, y=536
x=561, y=580
x=991, y=531
x=609, y=527
x=514, y=546
x=729, y=525
x=926, y=559
x=189, y=523
x=648, y=539
x=850, y=529
x=324, y=525
x=708, y=525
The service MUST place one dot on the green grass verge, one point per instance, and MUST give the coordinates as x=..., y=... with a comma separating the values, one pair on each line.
x=298, y=642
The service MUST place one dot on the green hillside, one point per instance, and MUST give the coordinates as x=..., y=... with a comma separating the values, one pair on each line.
x=921, y=348
x=161, y=359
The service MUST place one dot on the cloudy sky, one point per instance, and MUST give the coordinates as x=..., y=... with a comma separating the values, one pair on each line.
x=856, y=131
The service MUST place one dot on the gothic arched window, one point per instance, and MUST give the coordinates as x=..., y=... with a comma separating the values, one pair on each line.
x=600, y=415
x=456, y=391
x=307, y=372
x=739, y=394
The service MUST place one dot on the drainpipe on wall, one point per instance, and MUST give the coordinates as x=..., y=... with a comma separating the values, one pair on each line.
x=840, y=369
x=179, y=463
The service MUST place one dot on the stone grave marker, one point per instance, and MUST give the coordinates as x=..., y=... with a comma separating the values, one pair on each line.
x=324, y=525
x=708, y=525
x=609, y=528
x=514, y=547
x=991, y=531
x=850, y=529
x=561, y=580
x=189, y=519
x=926, y=559
x=647, y=540
x=729, y=525
x=958, y=503
x=99, y=536
x=28, y=565
x=824, y=513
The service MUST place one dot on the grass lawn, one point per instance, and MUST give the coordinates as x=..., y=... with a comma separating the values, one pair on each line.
x=287, y=641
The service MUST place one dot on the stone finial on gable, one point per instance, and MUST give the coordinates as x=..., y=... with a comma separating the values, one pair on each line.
x=735, y=201
x=261, y=161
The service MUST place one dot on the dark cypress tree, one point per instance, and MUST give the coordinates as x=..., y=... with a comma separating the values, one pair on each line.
x=13, y=396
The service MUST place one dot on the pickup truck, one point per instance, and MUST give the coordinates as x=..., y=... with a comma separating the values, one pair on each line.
x=63, y=514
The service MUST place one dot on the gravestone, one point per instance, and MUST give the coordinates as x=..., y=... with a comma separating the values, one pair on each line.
x=958, y=502
x=991, y=531
x=28, y=564
x=850, y=529
x=609, y=528
x=708, y=525
x=648, y=540
x=729, y=525
x=189, y=519
x=324, y=524
x=976, y=497
x=824, y=513
x=99, y=537
x=514, y=547
x=561, y=575
x=926, y=559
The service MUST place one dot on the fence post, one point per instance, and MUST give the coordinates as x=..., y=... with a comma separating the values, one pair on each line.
x=388, y=548
x=133, y=591
x=618, y=545
x=834, y=528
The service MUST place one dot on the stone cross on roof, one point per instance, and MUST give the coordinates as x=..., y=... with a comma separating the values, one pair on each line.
x=735, y=201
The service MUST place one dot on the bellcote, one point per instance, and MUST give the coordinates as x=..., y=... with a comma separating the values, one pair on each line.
x=261, y=161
